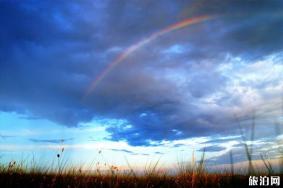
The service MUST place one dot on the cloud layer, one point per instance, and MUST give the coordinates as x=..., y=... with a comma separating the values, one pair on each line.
x=190, y=82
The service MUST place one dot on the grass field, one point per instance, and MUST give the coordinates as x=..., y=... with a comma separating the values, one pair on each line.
x=186, y=175
x=38, y=179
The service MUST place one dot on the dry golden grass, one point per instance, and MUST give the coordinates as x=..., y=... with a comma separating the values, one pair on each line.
x=18, y=177
x=188, y=175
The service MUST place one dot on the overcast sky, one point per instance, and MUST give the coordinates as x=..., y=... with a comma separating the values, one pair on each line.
x=190, y=88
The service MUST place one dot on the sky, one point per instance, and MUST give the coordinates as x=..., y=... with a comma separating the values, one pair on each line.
x=140, y=80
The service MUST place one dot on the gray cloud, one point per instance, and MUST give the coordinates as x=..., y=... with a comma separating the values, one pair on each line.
x=50, y=55
x=129, y=152
x=53, y=141
x=268, y=149
x=213, y=149
x=223, y=140
x=6, y=136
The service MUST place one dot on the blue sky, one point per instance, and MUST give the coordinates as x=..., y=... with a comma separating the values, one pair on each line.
x=189, y=89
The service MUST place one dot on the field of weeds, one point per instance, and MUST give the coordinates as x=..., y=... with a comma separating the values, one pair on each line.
x=17, y=177
x=187, y=175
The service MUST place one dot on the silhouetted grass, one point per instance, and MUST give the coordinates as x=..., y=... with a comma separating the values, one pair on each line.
x=188, y=175
x=17, y=177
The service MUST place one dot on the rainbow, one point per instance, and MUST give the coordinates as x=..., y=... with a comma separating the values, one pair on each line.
x=134, y=47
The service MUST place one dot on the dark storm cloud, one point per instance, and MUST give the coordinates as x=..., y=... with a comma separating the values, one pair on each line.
x=51, y=52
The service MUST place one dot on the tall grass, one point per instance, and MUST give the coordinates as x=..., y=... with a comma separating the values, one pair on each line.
x=192, y=174
x=248, y=150
x=231, y=162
